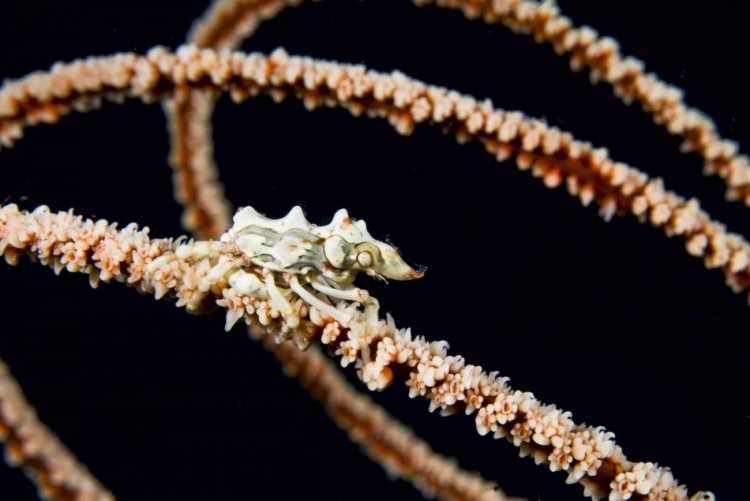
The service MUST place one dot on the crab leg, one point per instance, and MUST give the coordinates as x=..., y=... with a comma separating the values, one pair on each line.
x=353, y=294
x=338, y=315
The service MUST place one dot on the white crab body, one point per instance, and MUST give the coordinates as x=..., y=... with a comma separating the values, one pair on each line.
x=337, y=251
x=327, y=258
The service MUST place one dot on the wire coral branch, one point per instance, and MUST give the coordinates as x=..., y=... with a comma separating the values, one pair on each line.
x=548, y=152
x=32, y=446
x=459, y=131
x=601, y=55
x=228, y=22
x=383, y=439
x=533, y=424
x=188, y=271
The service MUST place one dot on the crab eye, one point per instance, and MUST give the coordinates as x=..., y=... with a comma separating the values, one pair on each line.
x=364, y=259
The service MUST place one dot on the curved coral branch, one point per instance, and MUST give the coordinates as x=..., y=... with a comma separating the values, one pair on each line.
x=587, y=314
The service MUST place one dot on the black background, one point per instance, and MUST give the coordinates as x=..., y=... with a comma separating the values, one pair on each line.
x=614, y=322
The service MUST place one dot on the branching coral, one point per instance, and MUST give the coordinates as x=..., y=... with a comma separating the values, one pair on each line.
x=609, y=314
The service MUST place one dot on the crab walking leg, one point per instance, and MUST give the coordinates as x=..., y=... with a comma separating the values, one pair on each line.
x=354, y=294
x=281, y=303
x=328, y=310
x=372, y=309
x=372, y=305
